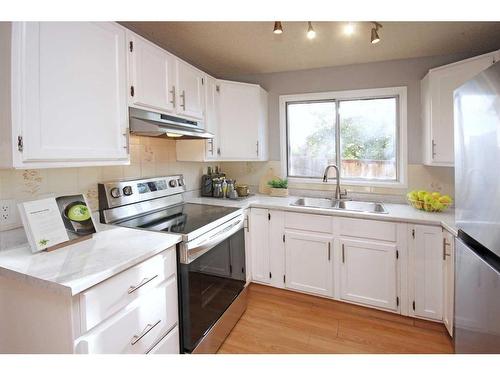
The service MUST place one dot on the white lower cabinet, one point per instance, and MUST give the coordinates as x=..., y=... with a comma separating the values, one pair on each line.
x=308, y=259
x=368, y=273
x=266, y=246
x=449, y=280
x=138, y=327
x=397, y=267
x=169, y=344
x=259, y=245
x=426, y=265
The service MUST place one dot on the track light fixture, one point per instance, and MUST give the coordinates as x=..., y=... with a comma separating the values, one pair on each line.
x=278, y=29
x=375, y=38
x=311, y=34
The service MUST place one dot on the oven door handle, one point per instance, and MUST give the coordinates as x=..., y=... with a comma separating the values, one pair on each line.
x=190, y=254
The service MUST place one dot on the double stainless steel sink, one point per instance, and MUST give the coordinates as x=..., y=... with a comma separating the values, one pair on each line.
x=345, y=205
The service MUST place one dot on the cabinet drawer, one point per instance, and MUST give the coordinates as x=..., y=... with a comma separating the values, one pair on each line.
x=370, y=229
x=138, y=327
x=169, y=344
x=110, y=296
x=308, y=222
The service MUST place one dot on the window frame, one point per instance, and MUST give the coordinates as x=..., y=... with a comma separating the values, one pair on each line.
x=400, y=93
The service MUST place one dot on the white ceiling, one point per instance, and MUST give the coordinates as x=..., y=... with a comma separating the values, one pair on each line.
x=232, y=48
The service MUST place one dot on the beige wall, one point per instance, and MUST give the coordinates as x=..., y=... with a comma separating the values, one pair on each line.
x=149, y=157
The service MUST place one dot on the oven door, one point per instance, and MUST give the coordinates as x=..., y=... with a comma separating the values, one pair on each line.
x=210, y=281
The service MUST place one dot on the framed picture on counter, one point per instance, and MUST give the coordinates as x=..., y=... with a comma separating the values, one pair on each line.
x=51, y=223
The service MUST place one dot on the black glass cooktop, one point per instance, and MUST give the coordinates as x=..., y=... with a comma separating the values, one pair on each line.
x=183, y=218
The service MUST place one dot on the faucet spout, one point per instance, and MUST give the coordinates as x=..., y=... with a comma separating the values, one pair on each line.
x=338, y=194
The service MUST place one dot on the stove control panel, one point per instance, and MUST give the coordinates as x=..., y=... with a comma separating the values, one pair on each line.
x=119, y=193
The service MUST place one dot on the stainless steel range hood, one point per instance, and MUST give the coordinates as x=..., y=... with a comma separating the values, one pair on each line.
x=153, y=124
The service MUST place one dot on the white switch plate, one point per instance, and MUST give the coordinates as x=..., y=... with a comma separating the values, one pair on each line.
x=9, y=214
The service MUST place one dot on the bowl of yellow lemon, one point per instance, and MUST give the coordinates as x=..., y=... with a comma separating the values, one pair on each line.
x=428, y=201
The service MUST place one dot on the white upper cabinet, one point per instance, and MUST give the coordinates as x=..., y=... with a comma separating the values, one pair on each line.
x=69, y=98
x=236, y=113
x=151, y=75
x=242, y=121
x=190, y=88
x=212, y=150
x=437, y=105
x=368, y=273
x=426, y=267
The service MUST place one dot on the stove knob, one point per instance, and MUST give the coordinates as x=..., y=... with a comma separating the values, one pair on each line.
x=172, y=183
x=127, y=190
x=115, y=192
x=181, y=182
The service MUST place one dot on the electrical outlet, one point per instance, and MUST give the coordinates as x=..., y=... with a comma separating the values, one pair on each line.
x=9, y=215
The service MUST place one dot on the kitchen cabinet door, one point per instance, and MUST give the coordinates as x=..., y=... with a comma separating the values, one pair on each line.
x=308, y=262
x=191, y=93
x=69, y=93
x=212, y=150
x=151, y=74
x=437, y=105
x=368, y=273
x=259, y=245
x=426, y=272
x=242, y=121
x=449, y=280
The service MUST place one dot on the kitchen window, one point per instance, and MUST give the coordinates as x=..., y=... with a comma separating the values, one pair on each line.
x=361, y=131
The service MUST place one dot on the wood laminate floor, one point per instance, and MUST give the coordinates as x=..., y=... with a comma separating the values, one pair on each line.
x=280, y=321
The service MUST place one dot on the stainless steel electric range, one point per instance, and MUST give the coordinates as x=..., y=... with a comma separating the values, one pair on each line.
x=211, y=256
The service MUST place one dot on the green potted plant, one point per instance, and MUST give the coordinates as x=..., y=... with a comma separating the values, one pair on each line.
x=279, y=187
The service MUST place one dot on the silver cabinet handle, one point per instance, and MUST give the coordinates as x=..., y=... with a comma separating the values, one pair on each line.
x=433, y=149
x=343, y=254
x=145, y=331
x=144, y=281
x=329, y=249
x=183, y=97
x=173, y=96
x=257, y=148
x=127, y=139
x=445, y=254
x=211, y=141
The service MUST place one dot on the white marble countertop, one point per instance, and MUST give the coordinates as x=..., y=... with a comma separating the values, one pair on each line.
x=77, y=267
x=396, y=212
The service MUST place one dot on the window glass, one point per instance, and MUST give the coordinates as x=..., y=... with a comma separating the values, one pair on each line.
x=368, y=138
x=311, y=137
x=367, y=133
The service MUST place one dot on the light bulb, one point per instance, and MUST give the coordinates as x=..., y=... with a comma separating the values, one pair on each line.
x=278, y=29
x=349, y=29
x=311, y=34
x=173, y=135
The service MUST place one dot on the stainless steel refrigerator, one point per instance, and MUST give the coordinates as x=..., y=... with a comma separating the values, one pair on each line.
x=477, y=185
